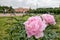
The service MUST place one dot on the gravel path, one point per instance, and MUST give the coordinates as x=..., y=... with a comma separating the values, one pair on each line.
x=16, y=14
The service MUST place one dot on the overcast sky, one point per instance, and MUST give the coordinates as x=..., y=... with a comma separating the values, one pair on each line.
x=30, y=3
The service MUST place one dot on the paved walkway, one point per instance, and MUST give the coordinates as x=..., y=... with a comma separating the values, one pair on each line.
x=16, y=14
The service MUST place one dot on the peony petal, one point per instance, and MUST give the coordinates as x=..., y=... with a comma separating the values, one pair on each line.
x=49, y=19
x=38, y=35
x=42, y=28
x=29, y=34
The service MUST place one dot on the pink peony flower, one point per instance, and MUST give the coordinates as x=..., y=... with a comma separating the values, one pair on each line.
x=34, y=26
x=49, y=19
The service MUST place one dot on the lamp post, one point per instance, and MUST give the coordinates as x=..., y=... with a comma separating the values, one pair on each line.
x=59, y=5
x=4, y=10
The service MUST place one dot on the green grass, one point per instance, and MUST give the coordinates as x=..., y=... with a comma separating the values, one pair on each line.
x=8, y=24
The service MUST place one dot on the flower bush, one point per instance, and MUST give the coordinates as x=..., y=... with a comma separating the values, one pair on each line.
x=35, y=25
x=17, y=30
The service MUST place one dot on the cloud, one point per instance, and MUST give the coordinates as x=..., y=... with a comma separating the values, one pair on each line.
x=30, y=3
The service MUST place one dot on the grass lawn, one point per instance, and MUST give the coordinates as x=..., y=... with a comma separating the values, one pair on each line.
x=8, y=22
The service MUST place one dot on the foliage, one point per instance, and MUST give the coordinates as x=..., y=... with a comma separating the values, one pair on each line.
x=16, y=31
x=8, y=9
x=45, y=10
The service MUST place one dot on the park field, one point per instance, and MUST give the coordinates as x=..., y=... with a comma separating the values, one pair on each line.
x=12, y=28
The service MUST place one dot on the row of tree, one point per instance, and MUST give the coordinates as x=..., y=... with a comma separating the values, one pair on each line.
x=45, y=10
x=6, y=9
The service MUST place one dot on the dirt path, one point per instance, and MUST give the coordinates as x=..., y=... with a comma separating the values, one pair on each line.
x=16, y=14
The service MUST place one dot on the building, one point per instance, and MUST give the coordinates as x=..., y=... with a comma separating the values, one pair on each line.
x=21, y=10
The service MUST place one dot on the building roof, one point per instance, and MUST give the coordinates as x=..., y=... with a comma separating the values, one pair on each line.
x=21, y=10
